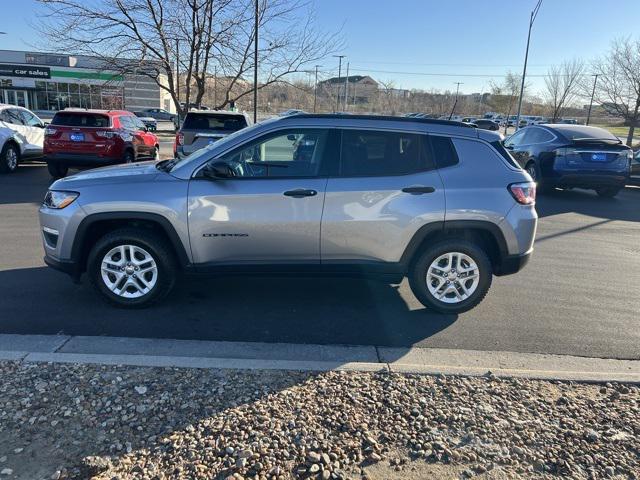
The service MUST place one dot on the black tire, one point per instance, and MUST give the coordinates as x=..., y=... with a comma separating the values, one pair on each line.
x=418, y=273
x=608, y=192
x=153, y=244
x=57, y=171
x=129, y=156
x=533, y=169
x=9, y=158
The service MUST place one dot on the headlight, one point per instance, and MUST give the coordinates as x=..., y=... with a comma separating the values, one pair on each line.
x=59, y=199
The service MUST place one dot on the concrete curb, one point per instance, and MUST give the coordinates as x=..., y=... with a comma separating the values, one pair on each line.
x=146, y=352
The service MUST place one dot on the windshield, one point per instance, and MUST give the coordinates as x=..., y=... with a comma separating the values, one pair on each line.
x=205, y=152
x=214, y=122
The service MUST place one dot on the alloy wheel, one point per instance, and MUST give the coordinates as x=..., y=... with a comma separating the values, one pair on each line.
x=11, y=157
x=453, y=277
x=129, y=271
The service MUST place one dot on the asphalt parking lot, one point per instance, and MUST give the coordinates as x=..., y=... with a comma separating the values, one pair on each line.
x=578, y=296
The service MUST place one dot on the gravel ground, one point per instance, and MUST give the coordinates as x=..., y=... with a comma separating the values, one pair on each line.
x=62, y=421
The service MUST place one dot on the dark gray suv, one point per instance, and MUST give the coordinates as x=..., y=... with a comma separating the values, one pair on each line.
x=439, y=202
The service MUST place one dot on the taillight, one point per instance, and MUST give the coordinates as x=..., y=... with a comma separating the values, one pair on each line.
x=179, y=139
x=106, y=133
x=50, y=131
x=524, y=193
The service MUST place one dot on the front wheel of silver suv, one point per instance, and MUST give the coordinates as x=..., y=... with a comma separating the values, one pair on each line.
x=132, y=268
x=452, y=276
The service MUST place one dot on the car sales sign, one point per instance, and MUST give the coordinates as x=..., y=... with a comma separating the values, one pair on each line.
x=27, y=71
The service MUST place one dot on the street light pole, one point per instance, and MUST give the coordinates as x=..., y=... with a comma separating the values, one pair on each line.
x=255, y=62
x=455, y=102
x=534, y=14
x=340, y=57
x=315, y=90
x=593, y=92
x=346, y=88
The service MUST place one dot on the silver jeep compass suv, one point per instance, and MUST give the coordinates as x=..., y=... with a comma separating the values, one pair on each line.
x=439, y=202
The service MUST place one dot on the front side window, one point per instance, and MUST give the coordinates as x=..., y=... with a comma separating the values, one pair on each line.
x=515, y=139
x=292, y=153
x=15, y=116
x=30, y=119
x=367, y=153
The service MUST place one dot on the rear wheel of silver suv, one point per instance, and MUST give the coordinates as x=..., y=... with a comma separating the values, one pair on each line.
x=132, y=268
x=452, y=276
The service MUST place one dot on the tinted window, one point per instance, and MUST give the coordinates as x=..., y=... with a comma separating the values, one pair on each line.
x=444, y=152
x=68, y=119
x=291, y=153
x=537, y=135
x=371, y=153
x=208, y=121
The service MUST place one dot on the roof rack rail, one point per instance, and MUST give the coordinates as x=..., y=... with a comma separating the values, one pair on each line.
x=431, y=121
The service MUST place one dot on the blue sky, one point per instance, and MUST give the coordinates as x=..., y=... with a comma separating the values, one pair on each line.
x=458, y=37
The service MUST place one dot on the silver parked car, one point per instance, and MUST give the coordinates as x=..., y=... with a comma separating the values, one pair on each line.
x=21, y=137
x=203, y=127
x=436, y=201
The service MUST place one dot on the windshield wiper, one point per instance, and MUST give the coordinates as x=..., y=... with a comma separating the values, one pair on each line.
x=166, y=165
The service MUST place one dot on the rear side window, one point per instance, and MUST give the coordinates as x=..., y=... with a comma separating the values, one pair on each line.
x=505, y=153
x=444, y=153
x=212, y=122
x=367, y=153
x=93, y=120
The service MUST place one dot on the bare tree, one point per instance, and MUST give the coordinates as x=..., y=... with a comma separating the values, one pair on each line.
x=563, y=84
x=505, y=94
x=180, y=43
x=618, y=86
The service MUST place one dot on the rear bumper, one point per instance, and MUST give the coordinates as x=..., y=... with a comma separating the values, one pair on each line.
x=588, y=180
x=512, y=263
x=80, y=160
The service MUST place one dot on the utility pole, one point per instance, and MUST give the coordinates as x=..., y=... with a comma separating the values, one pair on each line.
x=178, y=82
x=340, y=57
x=534, y=14
x=456, y=100
x=255, y=62
x=215, y=86
x=346, y=88
x=593, y=92
x=315, y=90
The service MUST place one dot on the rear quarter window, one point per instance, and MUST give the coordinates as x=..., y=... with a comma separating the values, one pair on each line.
x=91, y=120
x=444, y=153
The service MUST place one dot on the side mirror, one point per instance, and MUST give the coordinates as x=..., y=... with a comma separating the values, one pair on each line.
x=218, y=169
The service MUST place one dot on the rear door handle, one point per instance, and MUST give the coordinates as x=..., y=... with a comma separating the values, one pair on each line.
x=418, y=190
x=300, y=192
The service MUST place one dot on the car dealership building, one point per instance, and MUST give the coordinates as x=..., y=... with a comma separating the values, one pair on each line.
x=45, y=82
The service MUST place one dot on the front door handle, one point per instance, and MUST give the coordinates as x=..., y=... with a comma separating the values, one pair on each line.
x=418, y=190
x=300, y=193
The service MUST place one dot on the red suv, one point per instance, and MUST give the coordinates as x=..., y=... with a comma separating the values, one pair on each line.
x=93, y=138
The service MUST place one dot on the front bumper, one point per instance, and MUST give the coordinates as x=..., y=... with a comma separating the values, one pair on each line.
x=69, y=267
